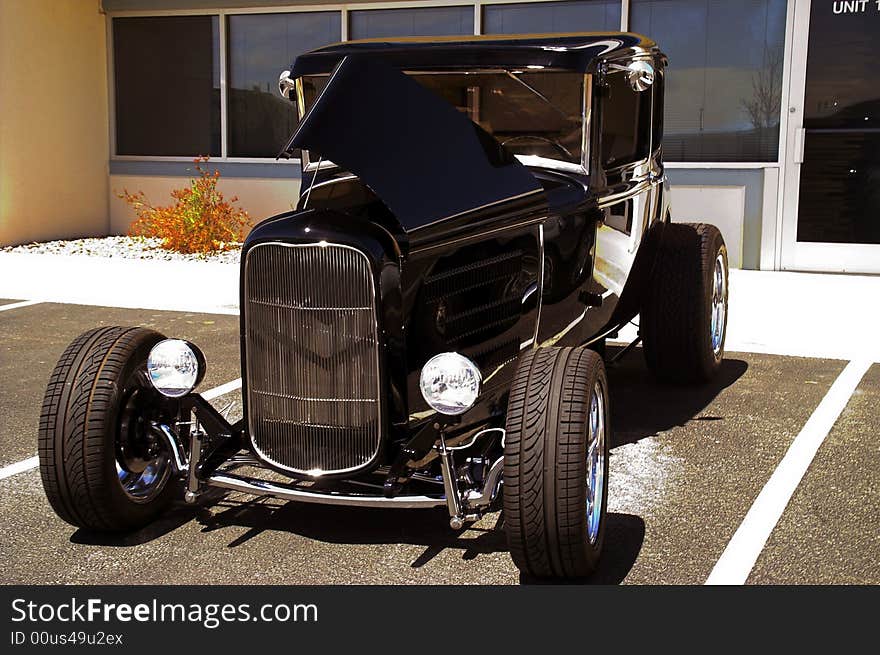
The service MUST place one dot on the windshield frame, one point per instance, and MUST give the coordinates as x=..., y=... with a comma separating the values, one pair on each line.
x=550, y=163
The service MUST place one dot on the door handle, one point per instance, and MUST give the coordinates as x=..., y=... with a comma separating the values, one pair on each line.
x=800, y=136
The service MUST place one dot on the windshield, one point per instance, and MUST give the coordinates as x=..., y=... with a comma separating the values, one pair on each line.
x=531, y=113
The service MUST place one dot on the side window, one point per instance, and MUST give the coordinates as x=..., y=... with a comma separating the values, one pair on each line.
x=626, y=122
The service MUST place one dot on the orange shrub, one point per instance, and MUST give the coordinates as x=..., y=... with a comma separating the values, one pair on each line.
x=200, y=221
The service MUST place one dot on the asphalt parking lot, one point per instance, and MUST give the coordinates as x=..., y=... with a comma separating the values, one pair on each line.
x=686, y=466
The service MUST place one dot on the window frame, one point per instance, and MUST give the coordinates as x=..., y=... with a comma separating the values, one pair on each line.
x=648, y=142
x=111, y=82
x=344, y=8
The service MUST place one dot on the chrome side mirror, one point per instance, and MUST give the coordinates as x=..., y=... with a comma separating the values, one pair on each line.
x=285, y=84
x=640, y=74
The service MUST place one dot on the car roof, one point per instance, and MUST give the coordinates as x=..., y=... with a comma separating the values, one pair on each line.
x=578, y=51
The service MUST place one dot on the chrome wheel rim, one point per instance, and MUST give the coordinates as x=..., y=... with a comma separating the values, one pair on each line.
x=147, y=484
x=595, y=461
x=719, y=305
x=142, y=465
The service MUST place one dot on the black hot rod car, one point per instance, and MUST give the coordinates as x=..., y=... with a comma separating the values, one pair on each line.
x=427, y=328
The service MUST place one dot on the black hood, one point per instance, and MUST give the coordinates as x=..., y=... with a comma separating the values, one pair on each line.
x=422, y=157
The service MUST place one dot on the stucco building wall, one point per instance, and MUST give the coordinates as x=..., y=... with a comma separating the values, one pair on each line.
x=261, y=197
x=53, y=130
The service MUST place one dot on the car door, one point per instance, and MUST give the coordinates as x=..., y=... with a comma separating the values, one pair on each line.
x=631, y=191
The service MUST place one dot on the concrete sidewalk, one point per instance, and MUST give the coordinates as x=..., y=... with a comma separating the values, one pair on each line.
x=807, y=314
x=196, y=286
x=801, y=314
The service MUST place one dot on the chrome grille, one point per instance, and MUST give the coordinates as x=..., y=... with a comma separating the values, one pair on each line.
x=312, y=355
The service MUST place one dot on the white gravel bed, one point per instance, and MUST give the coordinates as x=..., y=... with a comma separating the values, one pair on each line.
x=121, y=247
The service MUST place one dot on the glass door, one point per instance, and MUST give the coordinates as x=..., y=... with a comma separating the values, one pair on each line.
x=831, y=205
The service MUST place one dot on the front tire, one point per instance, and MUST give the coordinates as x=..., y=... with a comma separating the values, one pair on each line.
x=683, y=320
x=556, y=462
x=101, y=469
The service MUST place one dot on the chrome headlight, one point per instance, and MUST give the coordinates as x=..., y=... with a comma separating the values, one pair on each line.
x=450, y=383
x=175, y=367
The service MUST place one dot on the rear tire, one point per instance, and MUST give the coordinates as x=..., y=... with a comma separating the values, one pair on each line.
x=558, y=429
x=91, y=401
x=684, y=316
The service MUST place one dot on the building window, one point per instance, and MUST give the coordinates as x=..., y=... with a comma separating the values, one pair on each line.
x=723, y=87
x=423, y=21
x=260, y=46
x=626, y=122
x=167, y=85
x=724, y=83
x=546, y=17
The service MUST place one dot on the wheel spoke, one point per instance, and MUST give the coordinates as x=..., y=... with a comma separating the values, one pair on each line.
x=719, y=307
x=595, y=462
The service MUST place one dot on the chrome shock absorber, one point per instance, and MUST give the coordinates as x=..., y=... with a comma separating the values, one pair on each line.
x=450, y=485
x=195, y=453
x=470, y=505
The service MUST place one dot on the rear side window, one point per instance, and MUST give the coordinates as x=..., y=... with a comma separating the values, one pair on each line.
x=626, y=122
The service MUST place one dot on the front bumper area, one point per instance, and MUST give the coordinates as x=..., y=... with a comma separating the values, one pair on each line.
x=257, y=487
x=214, y=454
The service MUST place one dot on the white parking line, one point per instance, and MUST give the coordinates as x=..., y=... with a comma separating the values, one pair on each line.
x=19, y=467
x=16, y=305
x=34, y=462
x=742, y=552
x=216, y=392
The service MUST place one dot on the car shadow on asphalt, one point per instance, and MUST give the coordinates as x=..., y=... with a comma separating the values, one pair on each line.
x=355, y=526
x=178, y=515
x=175, y=518
x=642, y=407
x=359, y=526
x=425, y=528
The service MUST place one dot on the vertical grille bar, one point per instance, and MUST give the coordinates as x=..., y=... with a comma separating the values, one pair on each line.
x=312, y=354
